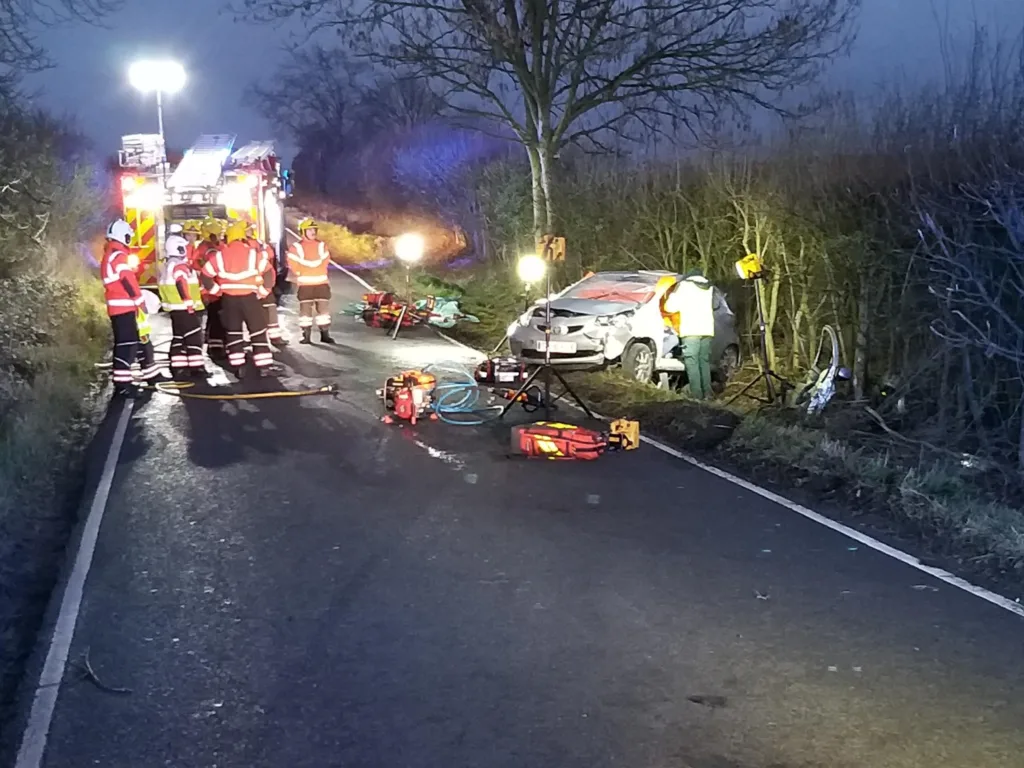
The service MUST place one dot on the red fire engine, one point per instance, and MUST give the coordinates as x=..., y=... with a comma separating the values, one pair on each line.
x=213, y=179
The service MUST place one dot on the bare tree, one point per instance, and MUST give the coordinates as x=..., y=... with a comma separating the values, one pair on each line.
x=20, y=51
x=564, y=71
x=313, y=97
x=394, y=102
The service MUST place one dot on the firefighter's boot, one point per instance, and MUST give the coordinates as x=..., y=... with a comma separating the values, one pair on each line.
x=325, y=337
x=280, y=342
x=126, y=391
x=307, y=336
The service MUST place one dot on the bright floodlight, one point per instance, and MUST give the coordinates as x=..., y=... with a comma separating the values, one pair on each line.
x=409, y=247
x=160, y=76
x=531, y=268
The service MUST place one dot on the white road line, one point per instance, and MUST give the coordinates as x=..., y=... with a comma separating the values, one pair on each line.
x=862, y=538
x=351, y=274
x=33, y=741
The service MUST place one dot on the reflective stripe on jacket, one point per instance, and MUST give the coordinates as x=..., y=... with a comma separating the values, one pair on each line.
x=173, y=271
x=308, y=264
x=693, y=300
x=116, y=270
x=237, y=269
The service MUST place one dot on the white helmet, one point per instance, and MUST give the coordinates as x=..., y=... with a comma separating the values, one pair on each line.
x=120, y=231
x=176, y=247
x=175, y=229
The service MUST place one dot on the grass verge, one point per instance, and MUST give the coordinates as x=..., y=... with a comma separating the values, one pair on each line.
x=49, y=382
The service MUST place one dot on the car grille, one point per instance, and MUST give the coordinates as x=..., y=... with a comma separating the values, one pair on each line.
x=568, y=329
x=541, y=312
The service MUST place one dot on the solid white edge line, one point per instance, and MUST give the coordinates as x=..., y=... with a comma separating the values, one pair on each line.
x=942, y=575
x=33, y=741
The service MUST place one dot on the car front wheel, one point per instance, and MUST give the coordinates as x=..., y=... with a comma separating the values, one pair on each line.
x=638, y=361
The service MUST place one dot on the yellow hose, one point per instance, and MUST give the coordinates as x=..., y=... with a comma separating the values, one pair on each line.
x=176, y=387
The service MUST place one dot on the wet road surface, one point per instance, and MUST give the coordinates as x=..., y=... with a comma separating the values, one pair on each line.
x=291, y=583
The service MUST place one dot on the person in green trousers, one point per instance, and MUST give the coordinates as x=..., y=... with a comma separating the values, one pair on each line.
x=692, y=301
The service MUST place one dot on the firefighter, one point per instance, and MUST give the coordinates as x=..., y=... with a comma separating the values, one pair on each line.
x=238, y=273
x=211, y=231
x=179, y=294
x=124, y=300
x=192, y=231
x=274, y=332
x=308, y=260
x=693, y=300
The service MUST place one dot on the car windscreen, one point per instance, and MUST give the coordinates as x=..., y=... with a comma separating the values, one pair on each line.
x=624, y=288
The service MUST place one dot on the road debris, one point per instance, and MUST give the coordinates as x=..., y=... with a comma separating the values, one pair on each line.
x=709, y=701
x=88, y=673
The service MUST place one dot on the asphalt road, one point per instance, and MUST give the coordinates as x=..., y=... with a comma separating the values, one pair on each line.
x=293, y=583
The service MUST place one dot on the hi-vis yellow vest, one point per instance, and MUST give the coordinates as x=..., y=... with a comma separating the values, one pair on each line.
x=145, y=329
x=168, y=290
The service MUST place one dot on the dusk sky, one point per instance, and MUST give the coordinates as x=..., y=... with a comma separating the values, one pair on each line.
x=898, y=39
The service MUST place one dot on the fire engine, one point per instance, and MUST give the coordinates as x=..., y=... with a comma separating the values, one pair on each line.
x=213, y=179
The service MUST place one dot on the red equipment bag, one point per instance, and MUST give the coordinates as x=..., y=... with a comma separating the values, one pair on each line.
x=551, y=440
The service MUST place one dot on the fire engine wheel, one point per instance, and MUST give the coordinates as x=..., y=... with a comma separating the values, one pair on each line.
x=638, y=361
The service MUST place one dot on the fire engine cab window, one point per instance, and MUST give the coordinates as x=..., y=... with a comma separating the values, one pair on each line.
x=638, y=288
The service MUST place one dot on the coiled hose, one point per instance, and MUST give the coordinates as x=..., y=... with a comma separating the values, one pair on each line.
x=457, y=397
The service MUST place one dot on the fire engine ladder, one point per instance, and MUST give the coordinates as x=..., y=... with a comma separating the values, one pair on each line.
x=253, y=152
x=203, y=164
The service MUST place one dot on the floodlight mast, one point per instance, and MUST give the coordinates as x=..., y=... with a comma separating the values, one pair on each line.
x=162, y=77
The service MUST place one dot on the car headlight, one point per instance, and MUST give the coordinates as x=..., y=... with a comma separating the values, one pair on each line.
x=620, y=320
x=524, y=319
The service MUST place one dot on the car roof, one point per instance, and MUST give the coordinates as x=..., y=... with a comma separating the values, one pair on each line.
x=629, y=272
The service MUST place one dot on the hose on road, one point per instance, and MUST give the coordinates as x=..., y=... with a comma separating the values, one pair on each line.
x=457, y=398
x=176, y=388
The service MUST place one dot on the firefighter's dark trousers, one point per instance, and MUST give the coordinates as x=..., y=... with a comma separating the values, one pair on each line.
x=126, y=348
x=149, y=369
x=247, y=311
x=273, y=323
x=315, y=306
x=215, y=340
x=186, y=341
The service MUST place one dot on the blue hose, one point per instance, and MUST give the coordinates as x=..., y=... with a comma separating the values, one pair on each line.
x=457, y=399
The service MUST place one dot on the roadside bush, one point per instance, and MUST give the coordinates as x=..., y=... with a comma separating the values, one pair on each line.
x=54, y=331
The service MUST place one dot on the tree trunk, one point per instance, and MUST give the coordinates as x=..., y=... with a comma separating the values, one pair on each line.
x=539, y=201
x=860, y=347
x=1020, y=438
x=546, y=157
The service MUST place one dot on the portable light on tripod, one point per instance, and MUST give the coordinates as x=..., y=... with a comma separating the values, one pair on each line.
x=751, y=269
x=531, y=268
x=409, y=250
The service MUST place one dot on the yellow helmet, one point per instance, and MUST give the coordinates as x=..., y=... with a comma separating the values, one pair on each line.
x=192, y=227
x=307, y=224
x=209, y=228
x=236, y=231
